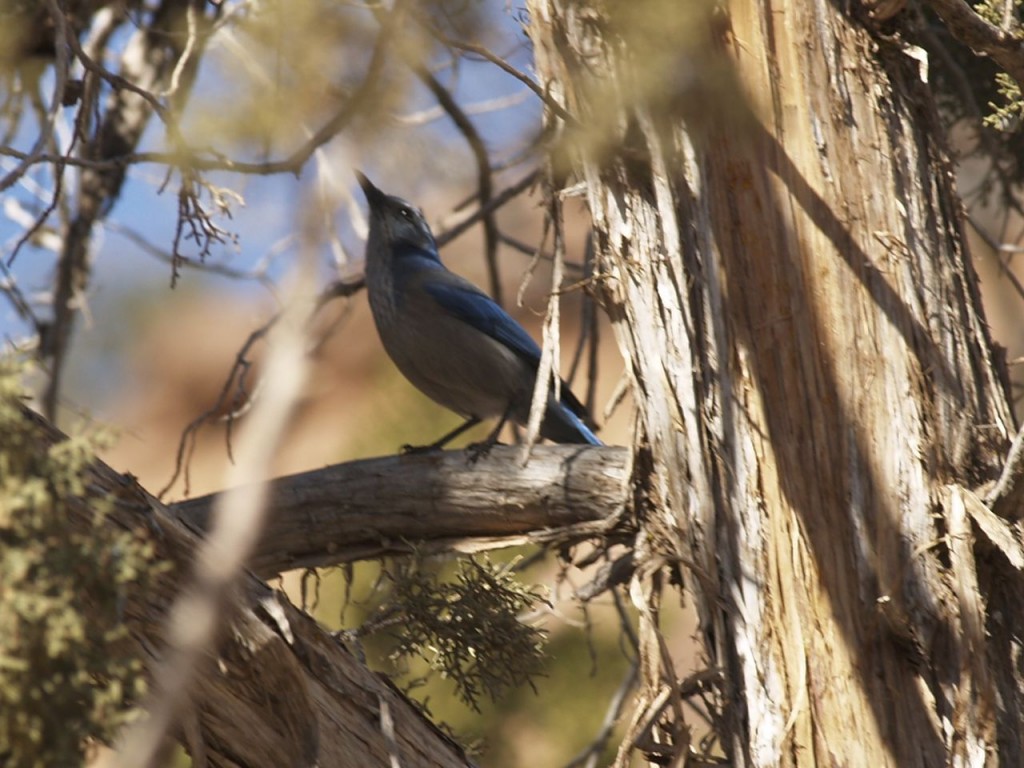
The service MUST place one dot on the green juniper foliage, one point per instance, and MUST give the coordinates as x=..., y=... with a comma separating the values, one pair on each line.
x=469, y=629
x=1005, y=116
x=65, y=678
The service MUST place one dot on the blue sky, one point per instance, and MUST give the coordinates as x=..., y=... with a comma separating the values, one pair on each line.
x=412, y=157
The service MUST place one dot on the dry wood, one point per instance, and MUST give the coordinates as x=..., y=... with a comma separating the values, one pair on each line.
x=432, y=503
x=781, y=252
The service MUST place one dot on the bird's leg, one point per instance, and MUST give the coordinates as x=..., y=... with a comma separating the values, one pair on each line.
x=471, y=422
x=478, y=450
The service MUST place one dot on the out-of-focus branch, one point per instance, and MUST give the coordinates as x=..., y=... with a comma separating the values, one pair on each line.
x=485, y=180
x=258, y=275
x=435, y=502
x=238, y=518
x=61, y=35
x=485, y=53
x=496, y=202
x=325, y=707
x=147, y=59
x=353, y=105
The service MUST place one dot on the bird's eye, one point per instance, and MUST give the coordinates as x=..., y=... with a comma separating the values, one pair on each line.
x=405, y=213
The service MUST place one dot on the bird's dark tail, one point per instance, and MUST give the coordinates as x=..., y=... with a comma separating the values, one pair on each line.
x=561, y=425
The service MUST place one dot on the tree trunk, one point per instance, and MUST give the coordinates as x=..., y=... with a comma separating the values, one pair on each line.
x=780, y=249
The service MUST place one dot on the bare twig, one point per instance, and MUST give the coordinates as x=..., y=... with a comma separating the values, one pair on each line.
x=486, y=54
x=590, y=754
x=1004, y=269
x=488, y=209
x=208, y=159
x=144, y=64
x=486, y=106
x=60, y=80
x=340, y=289
x=362, y=96
x=117, y=81
x=234, y=396
x=9, y=287
x=485, y=181
x=548, y=376
x=259, y=275
x=186, y=54
x=588, y=333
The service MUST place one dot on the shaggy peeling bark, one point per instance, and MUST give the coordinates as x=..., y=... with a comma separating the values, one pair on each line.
x=815, y=384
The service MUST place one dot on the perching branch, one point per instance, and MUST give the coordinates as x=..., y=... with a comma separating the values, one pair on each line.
x=435, y=502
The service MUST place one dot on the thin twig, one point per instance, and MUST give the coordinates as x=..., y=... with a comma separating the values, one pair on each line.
x=10, y=289
x=209, y=159
x=232, y=392
x=496, y=202
x=1003, y=267
x=499, y=62
x=548, y=380
x=155, y=251
x=186, y=54
x=61, y=39
x=485, y=181
x=592, y=752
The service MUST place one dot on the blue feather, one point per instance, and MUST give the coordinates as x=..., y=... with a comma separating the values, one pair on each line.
x=480, y=311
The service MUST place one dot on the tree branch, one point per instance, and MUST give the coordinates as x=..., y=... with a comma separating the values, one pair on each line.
x=1005, y=49
x=433, y=502
x=485, y=180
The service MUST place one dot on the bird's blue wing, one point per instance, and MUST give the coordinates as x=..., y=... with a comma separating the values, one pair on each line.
x=565, y=421
x=476, y=308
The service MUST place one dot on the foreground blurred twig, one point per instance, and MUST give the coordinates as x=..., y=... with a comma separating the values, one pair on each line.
x=237, y=522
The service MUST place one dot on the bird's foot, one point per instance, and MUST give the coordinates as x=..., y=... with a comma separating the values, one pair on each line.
x=413, y=450
x=477, y=451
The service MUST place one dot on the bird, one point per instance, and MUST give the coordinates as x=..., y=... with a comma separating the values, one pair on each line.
x=451, y=340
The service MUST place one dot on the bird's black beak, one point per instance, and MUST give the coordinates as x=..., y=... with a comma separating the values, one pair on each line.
x=373, y=195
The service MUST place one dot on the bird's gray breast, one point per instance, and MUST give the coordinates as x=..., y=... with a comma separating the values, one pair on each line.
x=447, y=359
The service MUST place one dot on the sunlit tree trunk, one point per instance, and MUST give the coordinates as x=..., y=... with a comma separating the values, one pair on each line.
x=780, y=250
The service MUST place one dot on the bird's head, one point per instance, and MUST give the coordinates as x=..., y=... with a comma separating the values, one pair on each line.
x=395, y=222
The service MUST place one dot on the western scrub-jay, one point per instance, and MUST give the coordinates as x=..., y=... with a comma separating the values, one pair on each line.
x=451, y=340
